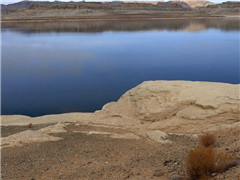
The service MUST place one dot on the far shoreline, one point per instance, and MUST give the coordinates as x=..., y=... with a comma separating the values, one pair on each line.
x=105, y=18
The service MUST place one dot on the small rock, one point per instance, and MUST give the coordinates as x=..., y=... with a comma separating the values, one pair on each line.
x=158, y=173
x=176, y=178
x=214, y=174
x=128, y=176
x=166, y=162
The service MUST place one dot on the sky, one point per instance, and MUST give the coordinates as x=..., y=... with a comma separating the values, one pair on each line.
x=13, y=1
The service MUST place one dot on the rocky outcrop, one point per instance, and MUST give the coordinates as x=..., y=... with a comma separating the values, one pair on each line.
x=160, y=100
x=30, y=136
x=198, y=3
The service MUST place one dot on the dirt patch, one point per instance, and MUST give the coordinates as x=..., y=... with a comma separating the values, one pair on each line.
x=9, y=130
x=83, y=156
x=72, y=127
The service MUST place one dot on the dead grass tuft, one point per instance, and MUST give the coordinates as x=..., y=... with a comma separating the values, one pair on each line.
x=207, y=140
x=200, y=162
x=224, y=161
x=203, y=161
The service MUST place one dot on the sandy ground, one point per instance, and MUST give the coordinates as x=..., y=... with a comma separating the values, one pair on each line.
x=83, y=156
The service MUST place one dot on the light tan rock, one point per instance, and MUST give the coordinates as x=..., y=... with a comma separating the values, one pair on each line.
x=160, y=100
x=158, y=136
x=93, y=132
x=198, y=3
x=125, y=136
x=20, y=120
x=26, y=137
x=58, y=128
x=112, y=135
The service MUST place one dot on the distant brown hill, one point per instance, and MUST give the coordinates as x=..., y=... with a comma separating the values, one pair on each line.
x=25, y=4
x=116, y=9
x=198, y=3
x=174, y=4
x=184, y=3
x=226, y=8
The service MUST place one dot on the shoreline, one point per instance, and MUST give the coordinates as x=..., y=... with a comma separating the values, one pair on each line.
x=105, y=18
x=18, y=119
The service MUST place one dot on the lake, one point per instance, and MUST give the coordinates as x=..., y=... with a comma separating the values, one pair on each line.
x=78, y=66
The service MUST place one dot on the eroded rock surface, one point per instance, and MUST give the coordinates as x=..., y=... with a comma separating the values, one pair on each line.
x=28, y=136
x=179, y=106
x=160, y=100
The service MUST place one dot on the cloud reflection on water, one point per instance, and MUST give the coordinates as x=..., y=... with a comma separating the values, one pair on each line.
x=45, y=72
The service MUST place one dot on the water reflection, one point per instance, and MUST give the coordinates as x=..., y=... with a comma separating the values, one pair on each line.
x=47, y=73
x=190, y=25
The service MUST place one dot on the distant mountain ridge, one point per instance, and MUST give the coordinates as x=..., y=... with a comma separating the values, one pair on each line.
x=175, y=3
x=183, y=3
x=43, y=9
x=25, y=4
x=198, y=3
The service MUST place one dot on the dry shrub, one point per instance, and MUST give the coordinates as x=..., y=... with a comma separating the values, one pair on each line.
x=203, y=161
x=224, y=161
x=200, y=162
x=207, y=139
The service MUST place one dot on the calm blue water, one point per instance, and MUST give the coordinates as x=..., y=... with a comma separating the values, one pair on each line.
x=58, y=71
